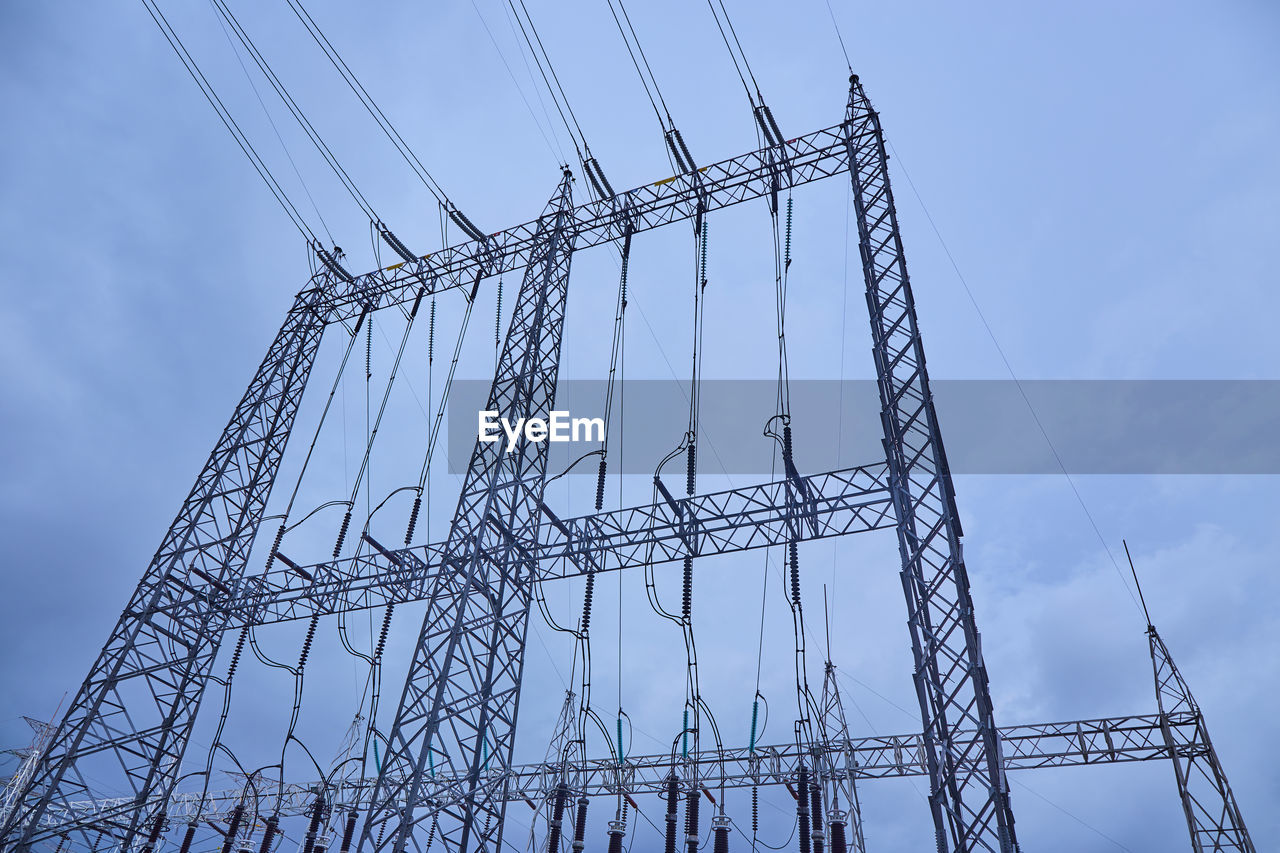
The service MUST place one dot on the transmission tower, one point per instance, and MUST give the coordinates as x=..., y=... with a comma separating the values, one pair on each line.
x=448, y=772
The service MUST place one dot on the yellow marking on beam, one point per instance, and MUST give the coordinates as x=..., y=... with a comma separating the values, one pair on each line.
x=665, y=182
x=393, y=267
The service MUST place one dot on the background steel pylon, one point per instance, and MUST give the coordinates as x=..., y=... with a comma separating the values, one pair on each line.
x=130, y=721
x=835, y=737
x=968, y=791
x=462, y=692
x=1213, y=818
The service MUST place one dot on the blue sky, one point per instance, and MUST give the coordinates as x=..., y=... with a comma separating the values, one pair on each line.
x=1105, y=177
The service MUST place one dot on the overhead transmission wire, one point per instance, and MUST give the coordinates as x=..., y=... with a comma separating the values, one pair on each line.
x=373, y=427
x=227, y=17
x=270, y=120
x=554, y=148
x=228, y=121
x=839, y=35
x=739, y=57
x=1022, y=392
x=641, y=63
x=434, y=433
x=384, y=123
x=677, y=151
x=550, y=78
x=688, y=740
x=766, y=126
x=590, y=165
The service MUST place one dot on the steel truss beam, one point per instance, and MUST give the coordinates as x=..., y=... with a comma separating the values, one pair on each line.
x=1077, y=743
x=840, y=502
x=808, y=158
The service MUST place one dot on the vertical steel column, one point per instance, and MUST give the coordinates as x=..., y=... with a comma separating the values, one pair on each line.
x=458, y=709
x=969, y=795
x=128, y=725
x=1213, y=818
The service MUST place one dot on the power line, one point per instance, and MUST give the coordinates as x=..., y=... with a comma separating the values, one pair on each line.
x=590, y=166
x=645, y=81
x=227, y=15
x=369, y=103
x=553, y=148
x=206, y=89
x=836, y=26
x=677, y=152
x=558, y=95
x=739, y=57
x=274, y=128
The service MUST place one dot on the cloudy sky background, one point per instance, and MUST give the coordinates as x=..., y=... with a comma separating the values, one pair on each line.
x=1105, y=178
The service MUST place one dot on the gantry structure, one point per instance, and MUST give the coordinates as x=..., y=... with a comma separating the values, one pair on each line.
x=448, y=775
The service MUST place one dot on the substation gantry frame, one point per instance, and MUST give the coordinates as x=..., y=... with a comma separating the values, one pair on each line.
x=130, y=721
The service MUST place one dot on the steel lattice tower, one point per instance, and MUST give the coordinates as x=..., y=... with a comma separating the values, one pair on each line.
x=130, y=722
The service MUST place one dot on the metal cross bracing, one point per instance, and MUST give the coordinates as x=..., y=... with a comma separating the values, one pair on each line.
x=462, y=694
x=1213, y=818
x=132, y=718
x=969, y=795
x=840, y=502
x=1077, y=743
x=837, y=763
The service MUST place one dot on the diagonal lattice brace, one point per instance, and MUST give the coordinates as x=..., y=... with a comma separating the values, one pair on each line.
x=852, y=500
x=969, y=795
x=1213, y=818
x=461, y=697
x=129, y=723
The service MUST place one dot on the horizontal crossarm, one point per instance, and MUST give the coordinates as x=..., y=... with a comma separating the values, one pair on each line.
x=847, y=501
x=1075, y=743
x=808, y=158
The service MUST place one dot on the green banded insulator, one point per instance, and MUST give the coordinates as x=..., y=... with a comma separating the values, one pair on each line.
x=368, y=350
x=621, y=759
x=755, y=716
x=684, y=749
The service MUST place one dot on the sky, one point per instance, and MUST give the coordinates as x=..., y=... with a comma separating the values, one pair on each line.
x=1086, y=192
